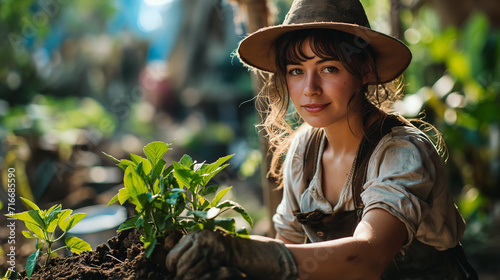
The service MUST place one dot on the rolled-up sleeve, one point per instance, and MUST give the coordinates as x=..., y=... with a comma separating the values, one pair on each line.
x=400, y=179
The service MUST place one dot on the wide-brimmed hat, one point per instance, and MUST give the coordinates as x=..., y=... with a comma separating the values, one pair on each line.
x=392, y=57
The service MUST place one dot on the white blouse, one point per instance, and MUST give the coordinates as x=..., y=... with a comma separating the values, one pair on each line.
x=405, y=177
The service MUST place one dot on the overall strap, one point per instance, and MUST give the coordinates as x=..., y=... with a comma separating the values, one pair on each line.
x=373, y=135
x=311, y=154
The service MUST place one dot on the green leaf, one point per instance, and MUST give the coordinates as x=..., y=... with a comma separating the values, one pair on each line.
x=243, y=233
x=219, y=196
x=53, y=219
x=136, y=159
x=35, y=214
x=31, y=263
x=187, y=161
x=28, y=234
x=31, y=204
x=77, y=245
x=209, y=171
x=161, y=185
x=35, y=229
x=227, y=224
x=149, y=245
x=154, y=151
x=134, y=184
x=113, y=200
x=185, y=176
x=123, y=195
x=172, y=197
x=199, y=214
x=128, y=163
x=157, y=170
x=209, y=189
x=139, y=222
x=7, y=274
x=30, y=216
x=167, y=170
x=55, y=207
x=238, y=208
x=196, y=227
x=111, y=157
x=71, y=221
x=128, y=224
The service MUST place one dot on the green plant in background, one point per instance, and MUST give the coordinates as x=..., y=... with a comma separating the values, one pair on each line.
x=454, y=79
x=42, y=225
x=169, y=198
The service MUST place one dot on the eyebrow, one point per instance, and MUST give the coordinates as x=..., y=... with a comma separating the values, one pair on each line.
x=317, y=62
x=326, y=60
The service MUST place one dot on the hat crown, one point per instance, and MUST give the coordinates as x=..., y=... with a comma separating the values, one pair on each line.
x=346, y=11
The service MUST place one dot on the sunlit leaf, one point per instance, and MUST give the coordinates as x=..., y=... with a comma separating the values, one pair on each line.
x=154, y=151
x=30, y=203
x=77, y=245
x=35, y=229
x=28, y=234
x=219, y=196
x=113, y=200
x=71, y=221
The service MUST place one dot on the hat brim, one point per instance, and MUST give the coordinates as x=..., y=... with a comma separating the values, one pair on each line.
x=392, y=56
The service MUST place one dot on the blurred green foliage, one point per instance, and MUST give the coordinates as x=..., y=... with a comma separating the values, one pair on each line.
x=454, y=79
x=25, y=24
x=59, y=123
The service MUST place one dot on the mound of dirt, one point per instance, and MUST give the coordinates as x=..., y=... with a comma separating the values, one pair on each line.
x=123, y=258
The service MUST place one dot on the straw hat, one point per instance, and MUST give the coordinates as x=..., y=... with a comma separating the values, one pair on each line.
x=392, y=56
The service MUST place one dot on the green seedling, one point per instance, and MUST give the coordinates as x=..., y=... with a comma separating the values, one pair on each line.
x=169, y=198
x=7, y=275
x=42, y=225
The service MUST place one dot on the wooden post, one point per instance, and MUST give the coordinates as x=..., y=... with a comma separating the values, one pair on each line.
x=396, y=28
x=258, y=16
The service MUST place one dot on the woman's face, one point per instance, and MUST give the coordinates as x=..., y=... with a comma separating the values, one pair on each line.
x=320, y=89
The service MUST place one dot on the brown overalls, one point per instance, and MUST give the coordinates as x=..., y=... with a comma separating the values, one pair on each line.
x=419, y=261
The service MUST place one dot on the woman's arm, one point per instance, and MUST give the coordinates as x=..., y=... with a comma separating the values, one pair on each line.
x=376, y=240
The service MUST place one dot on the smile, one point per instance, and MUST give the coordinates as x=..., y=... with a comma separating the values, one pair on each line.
x=314, y=108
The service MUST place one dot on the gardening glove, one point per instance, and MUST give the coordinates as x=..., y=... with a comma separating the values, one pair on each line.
x=203, y=252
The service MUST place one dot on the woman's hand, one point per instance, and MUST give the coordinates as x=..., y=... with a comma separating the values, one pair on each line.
x=215, y=255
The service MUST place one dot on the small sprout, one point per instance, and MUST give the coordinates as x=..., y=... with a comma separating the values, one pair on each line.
x=42, y=224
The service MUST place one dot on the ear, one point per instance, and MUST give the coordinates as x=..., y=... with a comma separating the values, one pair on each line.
x=366, y=78
x=368, y=74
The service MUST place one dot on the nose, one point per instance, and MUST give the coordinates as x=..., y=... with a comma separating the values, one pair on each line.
x=312, y=85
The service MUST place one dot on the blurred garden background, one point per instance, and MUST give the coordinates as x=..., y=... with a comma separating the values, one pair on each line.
x=83, y=77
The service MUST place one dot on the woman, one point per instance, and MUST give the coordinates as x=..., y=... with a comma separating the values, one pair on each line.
x=365, y=194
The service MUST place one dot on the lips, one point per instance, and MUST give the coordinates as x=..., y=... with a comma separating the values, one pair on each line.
x=314, y=107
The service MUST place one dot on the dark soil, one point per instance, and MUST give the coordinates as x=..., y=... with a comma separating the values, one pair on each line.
x=123, y=259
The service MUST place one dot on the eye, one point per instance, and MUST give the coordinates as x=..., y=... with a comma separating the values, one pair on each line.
x=330, y=69
x=295, y=72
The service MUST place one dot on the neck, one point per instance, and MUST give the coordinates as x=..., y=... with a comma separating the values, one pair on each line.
x=343, y=137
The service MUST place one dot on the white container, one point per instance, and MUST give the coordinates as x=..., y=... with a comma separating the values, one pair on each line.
x=100, y=223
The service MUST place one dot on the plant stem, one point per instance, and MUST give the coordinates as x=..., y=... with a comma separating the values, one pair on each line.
x=154, y=221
